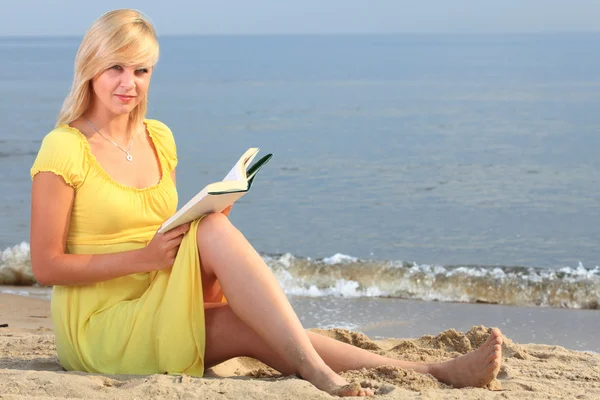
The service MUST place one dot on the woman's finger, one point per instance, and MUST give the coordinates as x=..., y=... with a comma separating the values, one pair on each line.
x=176, y=241
x=175, y=232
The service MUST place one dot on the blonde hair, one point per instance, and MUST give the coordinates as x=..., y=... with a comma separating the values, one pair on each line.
x=124, y=37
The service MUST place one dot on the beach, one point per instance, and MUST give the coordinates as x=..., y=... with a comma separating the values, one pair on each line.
x=410, y=206
x=29, y=368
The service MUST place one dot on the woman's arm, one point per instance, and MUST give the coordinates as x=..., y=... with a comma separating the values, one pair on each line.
x=51, y=203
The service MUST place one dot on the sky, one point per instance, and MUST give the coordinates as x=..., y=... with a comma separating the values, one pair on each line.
x=179, y=17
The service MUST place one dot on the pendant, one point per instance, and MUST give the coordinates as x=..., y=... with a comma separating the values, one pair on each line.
x=128, y=157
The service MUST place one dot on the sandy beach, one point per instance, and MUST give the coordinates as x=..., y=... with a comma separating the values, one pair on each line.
x=29, y=368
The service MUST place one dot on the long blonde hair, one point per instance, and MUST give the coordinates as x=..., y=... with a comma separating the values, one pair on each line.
x=124, y=37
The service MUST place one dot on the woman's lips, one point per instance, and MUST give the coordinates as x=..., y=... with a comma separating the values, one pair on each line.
x=124, y=97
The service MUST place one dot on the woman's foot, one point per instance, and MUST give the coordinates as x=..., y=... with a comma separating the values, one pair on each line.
x=475, y=369
x=335, y=385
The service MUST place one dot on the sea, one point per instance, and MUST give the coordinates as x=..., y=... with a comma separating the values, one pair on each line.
x=419, y=182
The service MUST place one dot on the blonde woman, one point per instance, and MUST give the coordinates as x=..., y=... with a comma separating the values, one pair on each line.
x=127, y=300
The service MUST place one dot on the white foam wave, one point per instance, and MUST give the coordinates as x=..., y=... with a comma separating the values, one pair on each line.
x=347, y=276
x=15, y=267
x=339, y=258
x=340, y=288
x=15, y=254
x=342, y=275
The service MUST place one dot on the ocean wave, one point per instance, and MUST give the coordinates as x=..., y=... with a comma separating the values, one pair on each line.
x=568, y=287
x=15, y=266
x=346, y=276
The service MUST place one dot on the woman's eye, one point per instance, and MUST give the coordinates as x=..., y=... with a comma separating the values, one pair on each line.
x=117, y=67
x=142, y=70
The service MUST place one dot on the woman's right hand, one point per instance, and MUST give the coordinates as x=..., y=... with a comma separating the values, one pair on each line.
x=162, y=249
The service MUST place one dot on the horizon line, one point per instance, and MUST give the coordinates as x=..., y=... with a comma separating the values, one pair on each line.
x=58, y=36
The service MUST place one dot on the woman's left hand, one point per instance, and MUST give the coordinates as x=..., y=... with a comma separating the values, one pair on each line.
x=227, y=211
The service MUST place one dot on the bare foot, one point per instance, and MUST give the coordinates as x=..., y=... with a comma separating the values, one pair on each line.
x=475, y=369
x=335, y=385
x=351, y=389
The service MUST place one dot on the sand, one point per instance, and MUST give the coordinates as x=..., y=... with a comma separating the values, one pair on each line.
x=29, y=369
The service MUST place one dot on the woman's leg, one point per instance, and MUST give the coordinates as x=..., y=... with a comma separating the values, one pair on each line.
x=227, y=337
x=261, y=323
x=256, y=299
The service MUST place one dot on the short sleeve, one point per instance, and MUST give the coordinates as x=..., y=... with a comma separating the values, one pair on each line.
x=63, y=153
x=164, y=141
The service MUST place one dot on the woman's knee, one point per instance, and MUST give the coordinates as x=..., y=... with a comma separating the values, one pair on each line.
x=211, y=231
x=212, y=225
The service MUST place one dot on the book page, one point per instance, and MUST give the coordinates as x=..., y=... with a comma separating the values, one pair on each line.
x=238, y=172
x=234, y=174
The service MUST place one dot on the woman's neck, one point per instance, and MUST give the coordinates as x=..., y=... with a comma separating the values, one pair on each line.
x=114, y=126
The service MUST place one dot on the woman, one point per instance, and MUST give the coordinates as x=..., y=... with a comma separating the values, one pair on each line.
x=127, y=300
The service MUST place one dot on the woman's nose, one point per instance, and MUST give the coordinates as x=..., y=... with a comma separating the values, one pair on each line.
x=128, y=78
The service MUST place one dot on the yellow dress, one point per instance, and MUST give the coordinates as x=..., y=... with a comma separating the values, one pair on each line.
x=137, y=324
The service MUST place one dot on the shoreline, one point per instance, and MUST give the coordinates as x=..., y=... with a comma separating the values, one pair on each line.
x=381, y=318
x=29, y=368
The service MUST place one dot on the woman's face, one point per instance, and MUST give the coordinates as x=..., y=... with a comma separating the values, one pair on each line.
x=120, y=88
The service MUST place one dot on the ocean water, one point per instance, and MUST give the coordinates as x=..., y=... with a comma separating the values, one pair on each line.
x=453, y=168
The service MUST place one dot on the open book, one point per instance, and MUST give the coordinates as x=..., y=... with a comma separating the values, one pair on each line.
x=217, y=196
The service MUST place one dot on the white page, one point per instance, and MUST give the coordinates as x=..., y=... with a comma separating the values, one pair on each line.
x=233, y=175
x=241, y=166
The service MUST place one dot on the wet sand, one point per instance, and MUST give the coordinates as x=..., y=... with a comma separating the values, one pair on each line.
x=396, y=318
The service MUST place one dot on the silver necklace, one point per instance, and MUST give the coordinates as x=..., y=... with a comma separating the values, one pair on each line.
x=127, y=155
